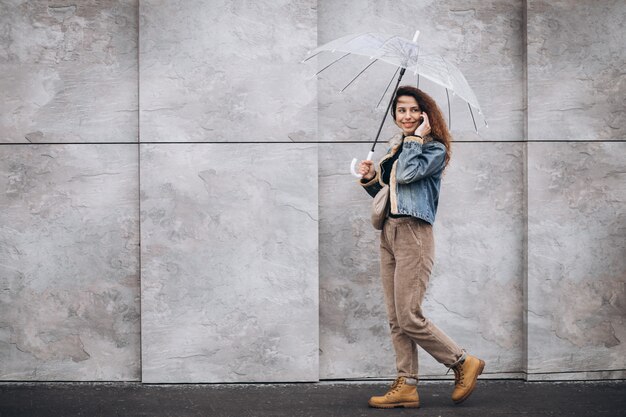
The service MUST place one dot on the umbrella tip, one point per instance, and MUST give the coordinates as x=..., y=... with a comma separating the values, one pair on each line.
x=417, y=33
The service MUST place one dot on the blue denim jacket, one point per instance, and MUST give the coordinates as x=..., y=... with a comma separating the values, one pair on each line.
x=415, y=178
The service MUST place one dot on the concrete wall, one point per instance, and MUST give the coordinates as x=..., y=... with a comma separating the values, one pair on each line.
x=69, y=208
x=576, y=190
x=192, y=128
x=229, y=230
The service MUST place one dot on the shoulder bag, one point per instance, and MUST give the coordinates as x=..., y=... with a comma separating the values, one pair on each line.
x=380, y=208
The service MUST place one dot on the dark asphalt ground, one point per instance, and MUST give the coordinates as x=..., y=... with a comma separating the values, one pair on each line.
x=491, y=398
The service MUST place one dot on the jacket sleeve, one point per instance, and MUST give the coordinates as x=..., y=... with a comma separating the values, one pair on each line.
x=418, y=161
x=372, y=186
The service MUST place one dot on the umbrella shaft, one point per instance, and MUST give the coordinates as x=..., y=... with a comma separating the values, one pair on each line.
x=388, y=107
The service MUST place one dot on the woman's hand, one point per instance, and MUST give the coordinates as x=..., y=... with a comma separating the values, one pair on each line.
x=424, y=128
x=366, y=169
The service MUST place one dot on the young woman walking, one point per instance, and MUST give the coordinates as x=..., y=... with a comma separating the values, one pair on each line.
x=413, y=168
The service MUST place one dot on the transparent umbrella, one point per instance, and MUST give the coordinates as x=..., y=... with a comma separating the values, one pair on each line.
x=405, y=55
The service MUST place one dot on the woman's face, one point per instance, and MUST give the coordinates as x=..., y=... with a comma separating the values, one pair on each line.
x=408, y=114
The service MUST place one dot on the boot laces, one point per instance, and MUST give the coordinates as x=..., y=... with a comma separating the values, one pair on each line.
x=395, y=386
x=458, y=375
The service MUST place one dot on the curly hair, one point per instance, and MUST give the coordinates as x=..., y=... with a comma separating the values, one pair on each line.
x=439, y=129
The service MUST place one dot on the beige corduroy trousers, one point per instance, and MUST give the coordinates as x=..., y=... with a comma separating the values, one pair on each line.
x=407, y=251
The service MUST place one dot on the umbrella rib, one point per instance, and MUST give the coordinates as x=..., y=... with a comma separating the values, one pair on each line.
x=357, y=76
x=386, y=89
x=473, y=120
x=388, y=107
x=334, y=62
x=417, y=61
x=312, y=56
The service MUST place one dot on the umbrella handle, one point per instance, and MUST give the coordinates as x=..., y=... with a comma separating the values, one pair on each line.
x=354, y=161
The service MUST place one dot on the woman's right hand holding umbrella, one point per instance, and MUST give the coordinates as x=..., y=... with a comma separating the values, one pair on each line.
x=366, y=169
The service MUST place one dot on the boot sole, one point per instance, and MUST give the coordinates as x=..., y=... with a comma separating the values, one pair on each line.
x=469, y=392
x=395, y=405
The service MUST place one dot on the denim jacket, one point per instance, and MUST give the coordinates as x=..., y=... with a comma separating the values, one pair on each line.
x=415, y=178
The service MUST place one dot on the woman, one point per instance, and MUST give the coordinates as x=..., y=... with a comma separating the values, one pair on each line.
x=413, y=168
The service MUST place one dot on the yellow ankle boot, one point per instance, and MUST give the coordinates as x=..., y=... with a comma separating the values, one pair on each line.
x=465, y=375
x=400, y=394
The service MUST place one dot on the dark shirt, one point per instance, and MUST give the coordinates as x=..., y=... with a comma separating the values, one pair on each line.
x=388, y=164
x=386, y=175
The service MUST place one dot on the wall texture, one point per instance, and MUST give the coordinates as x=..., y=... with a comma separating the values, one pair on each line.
x=576, y=57
x=192, y=128
x=69, y=213
x=229, y=263
x=577, y=267
x=576, y=190
x=69, y=71
x=69, y=273
x=226, y=71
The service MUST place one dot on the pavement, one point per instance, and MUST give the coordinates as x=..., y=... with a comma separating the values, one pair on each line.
x=324, y=399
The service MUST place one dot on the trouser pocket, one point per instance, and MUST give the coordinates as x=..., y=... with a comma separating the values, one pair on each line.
x=414, y=235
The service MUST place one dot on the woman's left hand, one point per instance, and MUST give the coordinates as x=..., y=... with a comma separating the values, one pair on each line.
x=424, y=128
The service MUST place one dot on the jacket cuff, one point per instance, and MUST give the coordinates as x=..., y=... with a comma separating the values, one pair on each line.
x=370, y=182
x=414, y=139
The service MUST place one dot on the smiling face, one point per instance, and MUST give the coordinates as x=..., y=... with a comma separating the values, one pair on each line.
x=408, y=114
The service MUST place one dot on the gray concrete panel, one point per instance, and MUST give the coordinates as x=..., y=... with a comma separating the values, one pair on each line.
x=485, y=39
x=229, y=262
x=354, y=334
x=69, y=263
x=577, y=259
x=475, y=293
x=69, y=71
x=227, y=71
x=478, y=279
x=576, y=60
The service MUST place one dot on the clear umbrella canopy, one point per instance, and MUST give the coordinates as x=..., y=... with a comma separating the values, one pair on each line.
x=402, y=53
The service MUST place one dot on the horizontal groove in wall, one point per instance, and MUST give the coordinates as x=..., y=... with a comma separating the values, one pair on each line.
x=557, y=372
x=303, y=142
x=574, y=372
x=504, y=376
x=428, y=378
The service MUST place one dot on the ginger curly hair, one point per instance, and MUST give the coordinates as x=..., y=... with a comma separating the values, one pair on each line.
x=439, y=130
